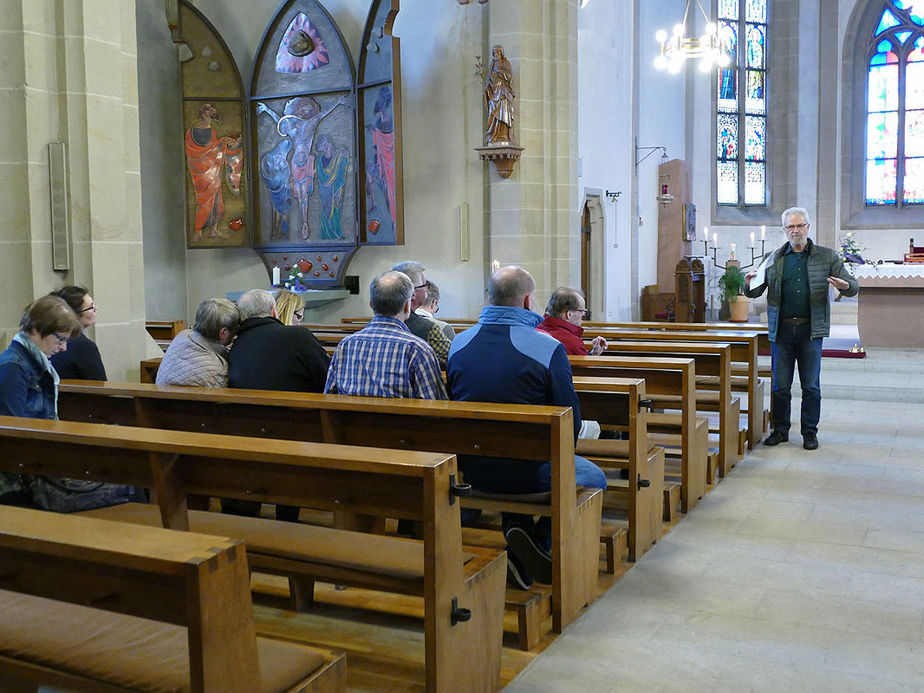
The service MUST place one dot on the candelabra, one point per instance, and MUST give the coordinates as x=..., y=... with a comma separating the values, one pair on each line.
x=752, y=248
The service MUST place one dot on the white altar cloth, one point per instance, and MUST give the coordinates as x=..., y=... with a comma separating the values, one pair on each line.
x=887, y=271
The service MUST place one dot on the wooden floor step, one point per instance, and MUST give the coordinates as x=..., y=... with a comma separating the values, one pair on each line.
x=671, y=501
x=532, y=607
x=712, y=467
x=614, y=536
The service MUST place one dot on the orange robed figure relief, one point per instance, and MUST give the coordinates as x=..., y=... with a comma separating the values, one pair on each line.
x=207, y=156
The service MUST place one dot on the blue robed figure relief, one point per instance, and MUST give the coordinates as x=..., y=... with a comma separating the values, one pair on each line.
x=333, y=166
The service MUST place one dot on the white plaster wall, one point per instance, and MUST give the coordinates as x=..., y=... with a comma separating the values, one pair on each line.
x=605, y=143
x=661, y=122
x=441, y=104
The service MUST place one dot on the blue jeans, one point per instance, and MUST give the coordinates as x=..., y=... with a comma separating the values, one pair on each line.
x=794, y=346
x=523, y=476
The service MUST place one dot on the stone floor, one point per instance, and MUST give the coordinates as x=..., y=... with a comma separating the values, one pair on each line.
x=800, y=571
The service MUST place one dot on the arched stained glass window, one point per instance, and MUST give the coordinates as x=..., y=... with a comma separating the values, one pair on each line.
x=895, y=107
x=741, y=112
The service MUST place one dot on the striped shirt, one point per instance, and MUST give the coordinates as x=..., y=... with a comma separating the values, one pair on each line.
x=385, y=360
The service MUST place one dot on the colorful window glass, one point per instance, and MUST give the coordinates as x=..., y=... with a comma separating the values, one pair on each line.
x=741, y=167
x=895, y=107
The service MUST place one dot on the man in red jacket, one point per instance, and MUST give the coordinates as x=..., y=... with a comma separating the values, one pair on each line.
x=563, y=317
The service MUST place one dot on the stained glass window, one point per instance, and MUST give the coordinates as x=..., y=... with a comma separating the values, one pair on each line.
x=895, y=107
x=741, y=167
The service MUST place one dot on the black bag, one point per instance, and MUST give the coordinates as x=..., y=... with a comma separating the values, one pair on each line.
x=73, y=495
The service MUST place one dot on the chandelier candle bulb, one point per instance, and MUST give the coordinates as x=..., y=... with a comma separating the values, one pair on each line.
x=706, y=233
x=752, y=239
x=763, y=232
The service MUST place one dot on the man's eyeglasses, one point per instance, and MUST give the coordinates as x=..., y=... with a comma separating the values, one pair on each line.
x=793, y=227
x=585, y=314
x=92, y=306
x=425, y=285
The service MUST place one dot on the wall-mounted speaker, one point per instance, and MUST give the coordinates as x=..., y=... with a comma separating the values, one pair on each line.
x=60, y=232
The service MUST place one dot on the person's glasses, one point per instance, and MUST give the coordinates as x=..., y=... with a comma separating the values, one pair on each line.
x=92, y=306
x=299, y=314
x=585, y=314
x=793, y=227
x=425, y=285
x=61, y=340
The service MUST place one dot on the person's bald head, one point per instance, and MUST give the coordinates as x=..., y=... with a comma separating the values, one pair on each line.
x=390, y=295
x=512, y=286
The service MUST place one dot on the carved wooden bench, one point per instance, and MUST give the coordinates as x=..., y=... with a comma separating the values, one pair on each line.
x=94, y=605
x=462, y=613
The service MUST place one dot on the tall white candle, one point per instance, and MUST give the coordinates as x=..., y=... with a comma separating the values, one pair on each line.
x=752, y=238
x=275, y=276
x=715, y=240
x=706, y=233
x=763, y=232
x=732, y=248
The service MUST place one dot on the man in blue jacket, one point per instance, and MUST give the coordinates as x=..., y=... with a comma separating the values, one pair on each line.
x=504, y=359
x=798, y=319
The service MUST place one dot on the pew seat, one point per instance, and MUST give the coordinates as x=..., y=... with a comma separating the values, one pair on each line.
x=91, y=606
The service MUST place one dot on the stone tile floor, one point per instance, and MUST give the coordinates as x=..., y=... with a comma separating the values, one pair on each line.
x=800, y=571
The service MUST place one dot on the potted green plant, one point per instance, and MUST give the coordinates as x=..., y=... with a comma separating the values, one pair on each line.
x=731, y=289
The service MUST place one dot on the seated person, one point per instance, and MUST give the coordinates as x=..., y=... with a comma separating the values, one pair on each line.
x=505, y=359
x=29, y=388
x=431, y=306
x=563, y=317
x=423, y=327
x=199, y=357
x=268, y=355
x=81, y=360
x=290, y=307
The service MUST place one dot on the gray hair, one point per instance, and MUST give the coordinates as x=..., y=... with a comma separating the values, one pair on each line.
x=413, y=269
x=563, y=299
x=256, y=303
x=509, y=286
x=215, y=313
x=388, y=293
x=795, y=210
x=433, y=292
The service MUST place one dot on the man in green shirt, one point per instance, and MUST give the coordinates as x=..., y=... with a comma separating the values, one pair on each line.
x=798, y=319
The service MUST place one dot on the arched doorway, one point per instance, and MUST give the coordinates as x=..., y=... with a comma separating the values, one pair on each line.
x=593, y=257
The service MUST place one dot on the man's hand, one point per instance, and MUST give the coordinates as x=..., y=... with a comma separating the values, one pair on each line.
x=748, y=277
x=599, y=346
x=838, y=283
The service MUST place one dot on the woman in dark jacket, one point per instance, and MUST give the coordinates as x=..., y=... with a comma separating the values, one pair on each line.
x=81, y=361
x=29, y=388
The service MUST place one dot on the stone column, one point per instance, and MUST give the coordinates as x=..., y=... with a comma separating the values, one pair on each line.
x=74, y=79
x=533, y=216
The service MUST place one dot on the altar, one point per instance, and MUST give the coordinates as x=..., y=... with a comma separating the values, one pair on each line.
x=890, y=311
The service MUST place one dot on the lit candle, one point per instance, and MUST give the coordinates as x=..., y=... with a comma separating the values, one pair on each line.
x=706, y=233
x=275, y=276
x=733, y=249
x=763, y=232
x=752, y=239
x=715, y=240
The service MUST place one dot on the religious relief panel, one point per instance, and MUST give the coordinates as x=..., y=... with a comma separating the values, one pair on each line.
x=320, y=141
x=213, y=138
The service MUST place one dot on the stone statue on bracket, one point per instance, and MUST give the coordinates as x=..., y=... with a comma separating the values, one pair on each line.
x=499, y=143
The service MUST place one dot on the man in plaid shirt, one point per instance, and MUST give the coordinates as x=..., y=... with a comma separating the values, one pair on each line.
x=384, y=359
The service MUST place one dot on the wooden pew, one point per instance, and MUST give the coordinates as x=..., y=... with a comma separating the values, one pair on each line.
x=743, y=350
x=455, y=427
x=148, y=370
x=640, y=495
x=711, y=359
x=94, y=605
x=663, y=376
x=462, y=650
x=163, y=331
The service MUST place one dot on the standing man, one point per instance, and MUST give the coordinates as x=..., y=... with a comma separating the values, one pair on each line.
x=505, y=359
x=798, y=319
x=384, y=359
x=563, y=318
x=424, y=327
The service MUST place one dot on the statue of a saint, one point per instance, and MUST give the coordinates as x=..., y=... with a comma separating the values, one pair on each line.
x=498, y=97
